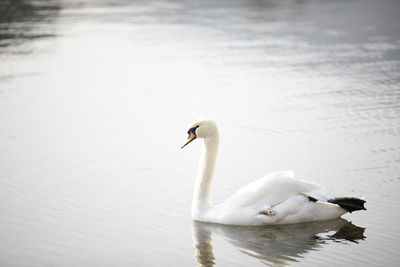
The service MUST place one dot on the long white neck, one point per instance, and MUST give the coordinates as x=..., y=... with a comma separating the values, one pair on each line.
x=205, y=175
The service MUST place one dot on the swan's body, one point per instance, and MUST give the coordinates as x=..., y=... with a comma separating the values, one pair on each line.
x=277, y=198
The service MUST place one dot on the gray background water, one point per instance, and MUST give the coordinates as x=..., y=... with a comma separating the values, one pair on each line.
x=96, y=98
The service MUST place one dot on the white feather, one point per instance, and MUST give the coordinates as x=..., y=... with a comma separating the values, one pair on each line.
x=278, y=192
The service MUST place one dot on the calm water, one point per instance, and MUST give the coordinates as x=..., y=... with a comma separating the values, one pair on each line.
x=96, y=97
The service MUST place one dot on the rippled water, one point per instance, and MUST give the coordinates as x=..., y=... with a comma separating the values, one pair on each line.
x=96, y=97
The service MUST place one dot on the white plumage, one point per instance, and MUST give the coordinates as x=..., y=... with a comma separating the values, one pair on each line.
x=277, y=198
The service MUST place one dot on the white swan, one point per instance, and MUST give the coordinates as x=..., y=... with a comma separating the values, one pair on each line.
x=277, y=198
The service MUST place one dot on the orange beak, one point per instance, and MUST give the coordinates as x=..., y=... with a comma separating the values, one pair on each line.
x=191, y=137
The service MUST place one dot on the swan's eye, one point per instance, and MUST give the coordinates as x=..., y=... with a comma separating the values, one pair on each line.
x=193, y=130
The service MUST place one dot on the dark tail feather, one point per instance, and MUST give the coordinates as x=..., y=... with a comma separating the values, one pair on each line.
x=349, y=203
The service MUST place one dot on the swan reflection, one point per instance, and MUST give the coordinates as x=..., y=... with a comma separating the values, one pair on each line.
x=274, y=245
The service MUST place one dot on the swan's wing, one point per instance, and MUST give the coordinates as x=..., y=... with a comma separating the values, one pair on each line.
x=273, y=189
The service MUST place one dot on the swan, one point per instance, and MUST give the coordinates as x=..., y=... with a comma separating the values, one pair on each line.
x=277, y=198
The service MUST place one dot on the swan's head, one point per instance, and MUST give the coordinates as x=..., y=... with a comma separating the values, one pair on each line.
x=202, y=128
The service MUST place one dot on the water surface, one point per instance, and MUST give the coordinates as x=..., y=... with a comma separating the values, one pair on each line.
x=96, y=97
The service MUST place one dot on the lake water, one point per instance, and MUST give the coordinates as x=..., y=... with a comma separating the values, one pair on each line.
x=96, y=98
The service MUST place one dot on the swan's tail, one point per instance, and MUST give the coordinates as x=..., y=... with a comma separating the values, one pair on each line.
x=349, y=203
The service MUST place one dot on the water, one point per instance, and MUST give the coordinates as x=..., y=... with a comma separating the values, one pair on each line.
x=96, y=98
